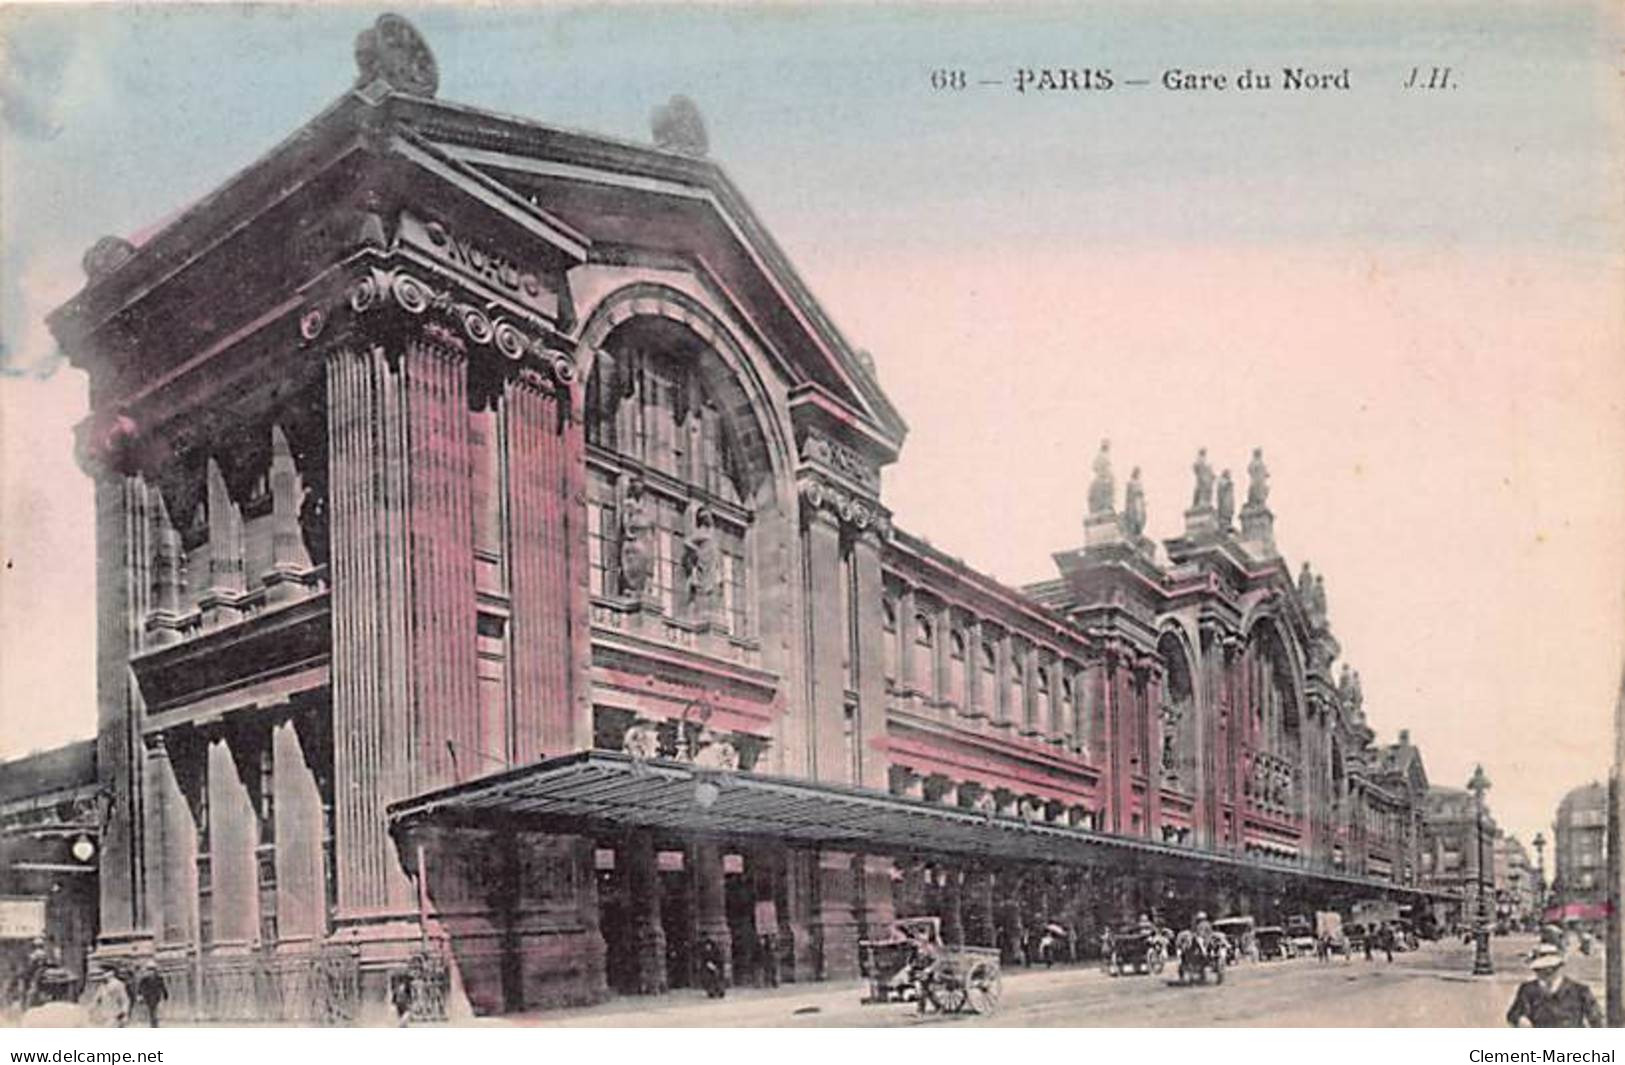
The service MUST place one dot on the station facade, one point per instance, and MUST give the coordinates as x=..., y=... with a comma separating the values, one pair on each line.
x=494, y=574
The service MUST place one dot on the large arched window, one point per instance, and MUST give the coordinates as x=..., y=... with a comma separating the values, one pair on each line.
x=669, y=497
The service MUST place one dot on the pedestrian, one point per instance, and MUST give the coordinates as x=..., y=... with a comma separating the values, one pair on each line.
x=1552, y=1000
x=711, y=972
x=110, y=1005
x=1385, y=936
x=768, y=946
x=400, y=996
x=151, y=990
x=1366, y=935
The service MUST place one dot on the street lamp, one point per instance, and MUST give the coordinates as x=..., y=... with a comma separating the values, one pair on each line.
x=1540, y=874
x=1481, y=933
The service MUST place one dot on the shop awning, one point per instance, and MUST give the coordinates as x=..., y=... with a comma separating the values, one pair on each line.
x=595, y=792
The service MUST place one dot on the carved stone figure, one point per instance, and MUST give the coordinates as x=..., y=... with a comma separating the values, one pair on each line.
x=637, y=539
x=1227, y=500
x=702, y=562
x=1103, y=489
x=393, y=51
x=1258, y=480
x=1202, y=497
x=1306, y=585
x=1134, y=505
x=678, y=127
x=642, y=741
x=717, y=754
x=1318, y=609
x=1170, y=727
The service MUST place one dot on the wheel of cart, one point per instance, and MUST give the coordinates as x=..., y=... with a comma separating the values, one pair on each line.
x=983, y=986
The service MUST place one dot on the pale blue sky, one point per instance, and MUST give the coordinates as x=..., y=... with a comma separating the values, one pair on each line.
x=1409, y=299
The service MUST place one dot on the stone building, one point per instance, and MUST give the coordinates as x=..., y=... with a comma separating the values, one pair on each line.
x=495, y=579
x=51, y=814
x=1517, y=885
x=1458, y=849
x=1580, y=851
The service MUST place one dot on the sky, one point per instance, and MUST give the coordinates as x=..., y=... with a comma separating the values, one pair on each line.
x=1410, y=299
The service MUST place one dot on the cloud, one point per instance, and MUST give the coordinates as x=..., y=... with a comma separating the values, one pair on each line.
x=31, y=84
x=42, y=282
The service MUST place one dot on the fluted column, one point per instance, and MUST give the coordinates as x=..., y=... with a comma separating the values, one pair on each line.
x=233, y=842
x=301, y=887
x=403, y=597
x=542, y=530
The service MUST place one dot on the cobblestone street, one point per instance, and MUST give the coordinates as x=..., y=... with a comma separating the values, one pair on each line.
x=1429, y=988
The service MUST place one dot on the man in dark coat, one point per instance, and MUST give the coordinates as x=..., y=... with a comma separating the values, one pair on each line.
x=1551, y=1000
x=151, y=990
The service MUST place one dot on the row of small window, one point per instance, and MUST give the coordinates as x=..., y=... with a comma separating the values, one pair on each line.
x=921, y=651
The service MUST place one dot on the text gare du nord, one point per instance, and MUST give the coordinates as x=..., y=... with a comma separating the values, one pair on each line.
x=1178, y=79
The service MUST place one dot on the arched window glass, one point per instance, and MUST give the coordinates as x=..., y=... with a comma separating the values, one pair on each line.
x=958, y=668
x=925, y=644
x=668, y=512
x=888, y=614
x=988, y=663
x=1041, y=720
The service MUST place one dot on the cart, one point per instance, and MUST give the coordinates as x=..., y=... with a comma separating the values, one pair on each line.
x=1135, y=950
x=914, y=965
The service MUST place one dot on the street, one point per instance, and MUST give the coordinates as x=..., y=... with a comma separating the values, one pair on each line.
x=1428, y=988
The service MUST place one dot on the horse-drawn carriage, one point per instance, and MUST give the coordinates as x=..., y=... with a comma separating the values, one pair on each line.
x=914, y=965
x=1201, y=954
x=1137, y=949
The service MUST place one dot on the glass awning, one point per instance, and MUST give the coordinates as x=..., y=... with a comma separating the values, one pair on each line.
x=605, y=791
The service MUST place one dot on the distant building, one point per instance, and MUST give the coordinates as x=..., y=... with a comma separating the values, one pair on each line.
x=1579, y=886
x=49, y=849
x=1517, y=888
x=1452, y=853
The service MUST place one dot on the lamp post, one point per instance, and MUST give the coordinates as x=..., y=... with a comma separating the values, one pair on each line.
x=1481, y=932
x=1540, y=874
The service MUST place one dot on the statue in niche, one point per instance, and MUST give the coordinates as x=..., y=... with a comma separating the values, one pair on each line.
x=1202, y=497
x=313, y=525
x=1227, y=500
x=1103, y=488
x=1258, y=480
x=702, y=562
x=1170, y=725
x=1134, y=505
x=637, y=539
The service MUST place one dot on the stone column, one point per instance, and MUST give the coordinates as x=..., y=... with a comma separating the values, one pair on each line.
x=544, y=562
x=1007, y=903
x=233, y=842
x=871, y=664
x=797, y=934
x=403, y=600
x=643, y=896
x=821, y=540
x=171, y=851
x=952, y=908
x=711, y=915
x=301, y=883
x=981, y=929
x=1151, y=717
x=1000, y=710
x=975, y=697
x=836, y=927
x=289, y=559
x=879, y=905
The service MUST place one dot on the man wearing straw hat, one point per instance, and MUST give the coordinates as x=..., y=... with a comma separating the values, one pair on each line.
x=1552, y=1000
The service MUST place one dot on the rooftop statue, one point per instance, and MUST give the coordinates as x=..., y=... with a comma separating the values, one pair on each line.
x=678, y=127
x=1102, y=490
x=394, y=52
x=1134, y=505
x=1317, y=609
x=1202, y=498
x=1306, y=585
x=1227, y=500
x=1258, y=480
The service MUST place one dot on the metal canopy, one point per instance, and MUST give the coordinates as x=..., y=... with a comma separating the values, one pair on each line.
x=604, y=791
